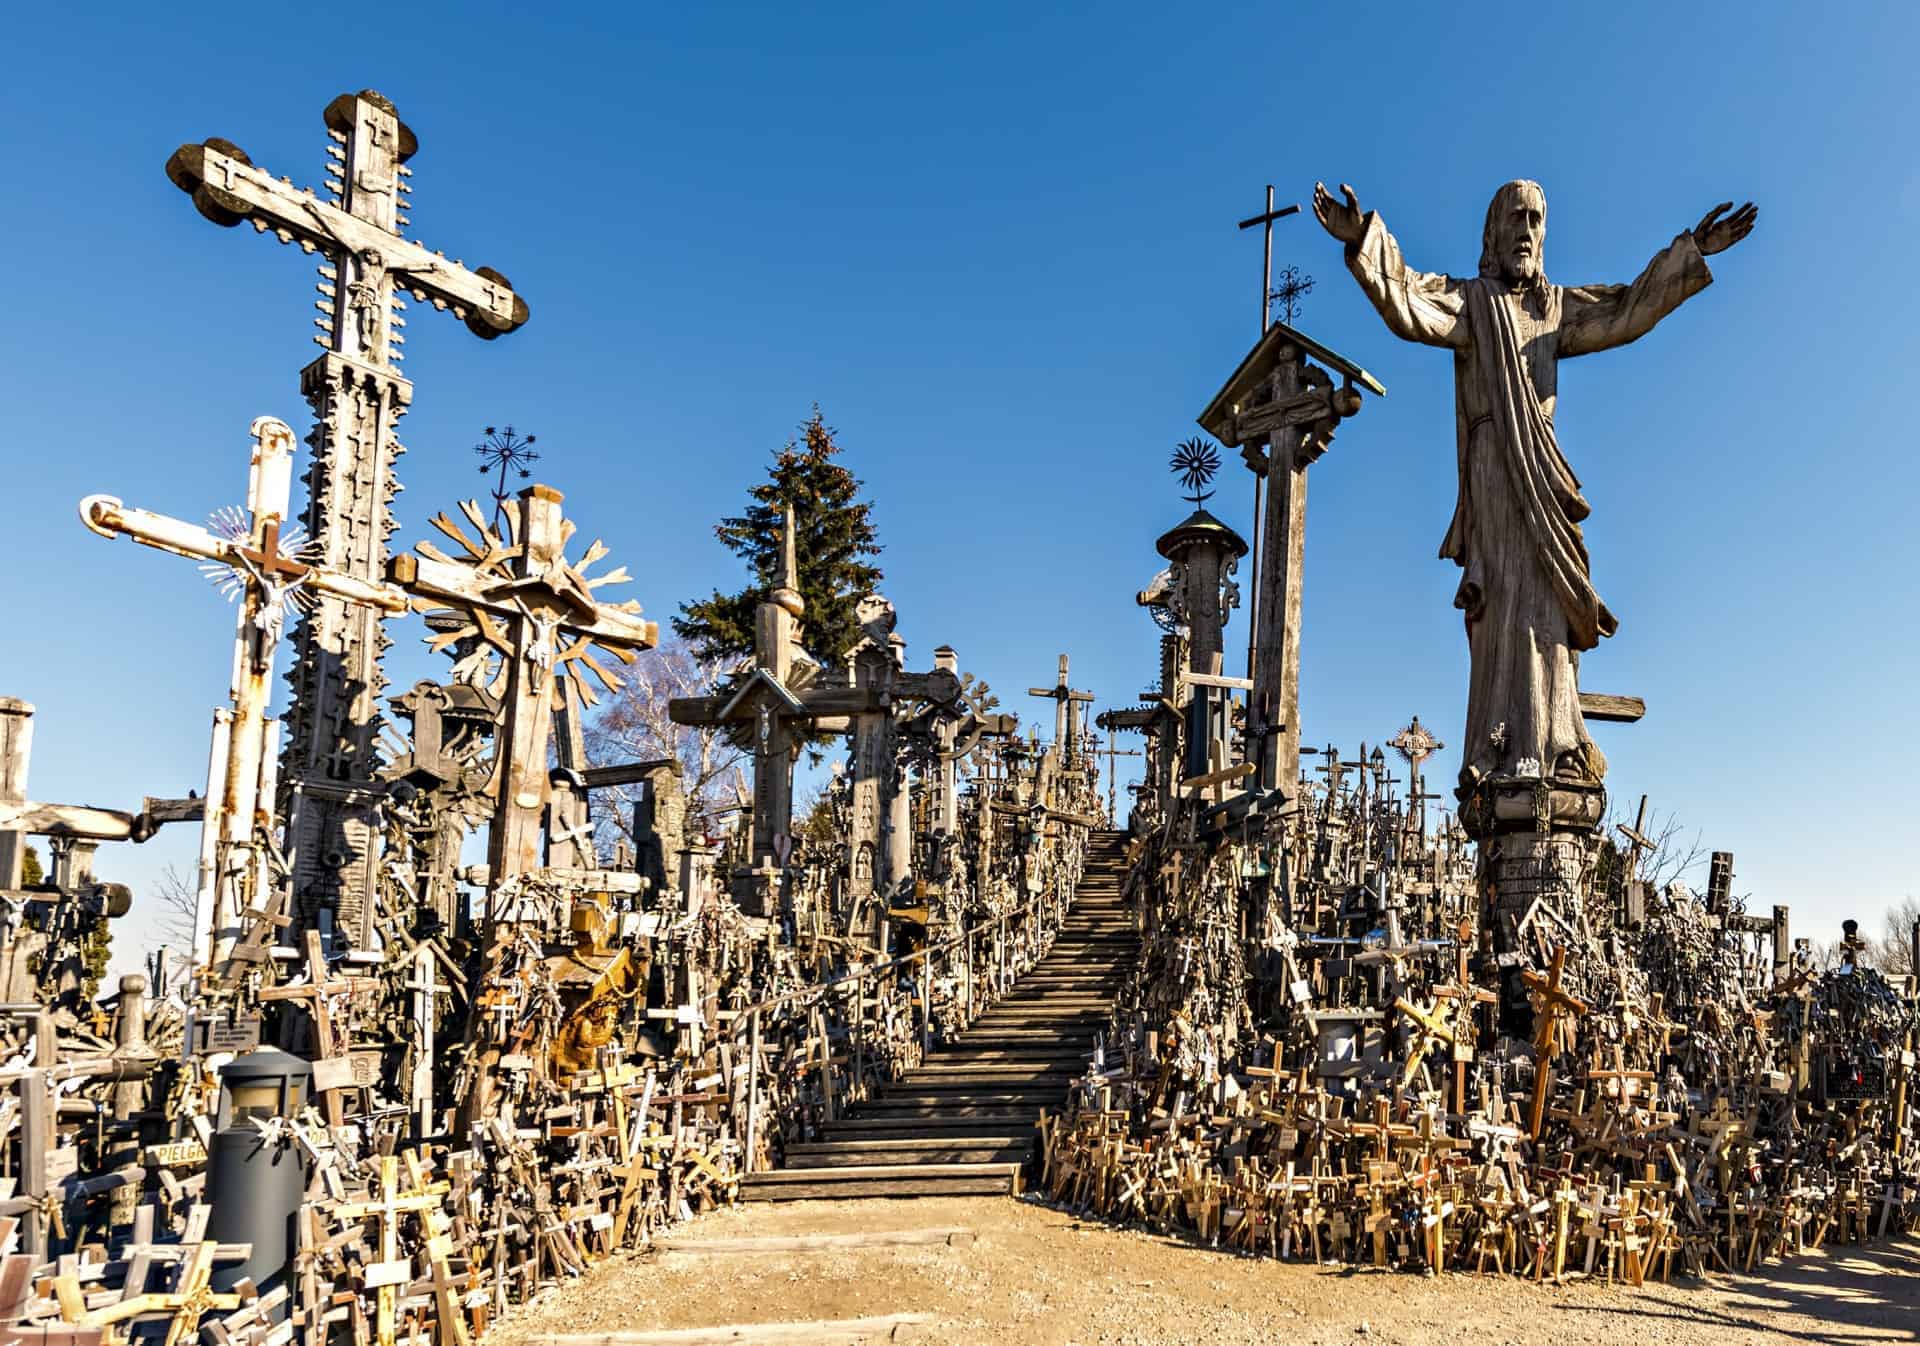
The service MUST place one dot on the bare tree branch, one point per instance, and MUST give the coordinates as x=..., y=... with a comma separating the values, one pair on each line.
x=1892, y=953
x=633, y=726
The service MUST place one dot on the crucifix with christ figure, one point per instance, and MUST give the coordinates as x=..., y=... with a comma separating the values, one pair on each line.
x=535, y=624
x=245, y=555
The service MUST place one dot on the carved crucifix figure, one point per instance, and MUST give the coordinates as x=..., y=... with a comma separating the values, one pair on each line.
x=1530, y=604
x=246, y=558
x=534, y=612
x=358, y=395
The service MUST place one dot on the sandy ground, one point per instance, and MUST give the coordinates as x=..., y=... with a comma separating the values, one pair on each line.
x=1037, y=1275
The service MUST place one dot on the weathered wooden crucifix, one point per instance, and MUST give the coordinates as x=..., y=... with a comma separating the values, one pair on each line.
x=388, y=1208
x=1468, y=995
x=1065, y=698
x=533, y=611
x=1415, y=744
x=358, y=395
x=1280, y=410
x=244, y=556
x=320, y=994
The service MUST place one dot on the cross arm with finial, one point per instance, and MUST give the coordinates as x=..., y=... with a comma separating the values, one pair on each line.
x=228, y=189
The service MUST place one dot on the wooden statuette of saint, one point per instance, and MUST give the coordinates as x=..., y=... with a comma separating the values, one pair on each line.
x=1529, y=600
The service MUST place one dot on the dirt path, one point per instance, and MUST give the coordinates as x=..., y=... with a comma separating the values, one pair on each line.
x=1036, y=1275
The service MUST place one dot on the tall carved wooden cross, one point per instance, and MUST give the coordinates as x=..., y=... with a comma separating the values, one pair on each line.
x=1064, y=699
x=236, y=830
x=357, y=394
x=1280, y=409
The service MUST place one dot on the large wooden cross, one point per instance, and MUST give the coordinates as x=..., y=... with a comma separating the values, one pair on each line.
x=236, y=827
x=1064, y=698
x=358, y=395
x=388, y=1209
x=1553, y=1004
x=1279, y=399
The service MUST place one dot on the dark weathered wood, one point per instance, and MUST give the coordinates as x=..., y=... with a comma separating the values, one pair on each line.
x=1611, y=709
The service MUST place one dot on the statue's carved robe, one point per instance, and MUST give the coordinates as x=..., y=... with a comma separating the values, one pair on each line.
x=1529, y=602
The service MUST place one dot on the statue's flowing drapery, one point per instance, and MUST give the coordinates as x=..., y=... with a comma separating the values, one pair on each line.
x=1529, y=601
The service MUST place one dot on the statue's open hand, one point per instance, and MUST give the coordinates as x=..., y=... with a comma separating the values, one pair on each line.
x=1714, y=234
x=1345, y=222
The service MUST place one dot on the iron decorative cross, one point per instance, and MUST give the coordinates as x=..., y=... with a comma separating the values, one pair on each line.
x=1266, y=270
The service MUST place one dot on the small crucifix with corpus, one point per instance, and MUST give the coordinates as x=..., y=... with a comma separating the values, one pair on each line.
x=244, y=555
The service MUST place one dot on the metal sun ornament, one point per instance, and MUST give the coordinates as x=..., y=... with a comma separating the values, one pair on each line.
x=1415, y=743
x=481, y=645
x=1195, y=462
x=504, y=450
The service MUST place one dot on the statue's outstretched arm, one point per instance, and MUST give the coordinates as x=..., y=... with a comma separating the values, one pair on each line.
x=1416, y=305
x=1600, y=317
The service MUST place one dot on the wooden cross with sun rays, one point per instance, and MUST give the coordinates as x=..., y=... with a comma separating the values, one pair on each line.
x=535, y=625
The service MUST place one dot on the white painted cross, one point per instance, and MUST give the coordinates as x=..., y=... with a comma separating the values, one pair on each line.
x=236, y=827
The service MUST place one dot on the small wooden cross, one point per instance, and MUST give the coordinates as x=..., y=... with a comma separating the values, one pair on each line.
x=315, y=991
x=1469, y=995
x=1638, y=843
x=186, y=1304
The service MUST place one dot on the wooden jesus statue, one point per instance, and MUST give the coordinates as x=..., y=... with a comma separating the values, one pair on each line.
x=1530, y=605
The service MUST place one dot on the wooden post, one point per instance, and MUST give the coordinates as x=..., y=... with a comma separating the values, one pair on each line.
x=926, y=1000
x=1276, y=668
x=753, y=1092
x=967, y=974
x=35, y=1134
x=818, y=1019
x=423, y=988
x=16, y=750
x=857, y=1030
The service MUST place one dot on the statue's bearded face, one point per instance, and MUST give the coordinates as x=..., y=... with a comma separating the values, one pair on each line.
x=1521, y=234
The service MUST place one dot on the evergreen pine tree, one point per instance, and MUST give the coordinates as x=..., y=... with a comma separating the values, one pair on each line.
x=833, y=530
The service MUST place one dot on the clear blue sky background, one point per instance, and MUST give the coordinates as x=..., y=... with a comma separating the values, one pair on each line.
x=997, y=246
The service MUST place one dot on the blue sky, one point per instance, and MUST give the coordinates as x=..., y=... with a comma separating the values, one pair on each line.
x=996, y=245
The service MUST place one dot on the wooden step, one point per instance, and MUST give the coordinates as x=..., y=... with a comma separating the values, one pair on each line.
x=904, y=1128
x=953, y=1151
x=905, y=1180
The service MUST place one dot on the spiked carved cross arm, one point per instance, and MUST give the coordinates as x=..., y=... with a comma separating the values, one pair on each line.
x=358, y=229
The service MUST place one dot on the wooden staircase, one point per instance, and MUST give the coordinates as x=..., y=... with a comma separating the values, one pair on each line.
x=962, y=1122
